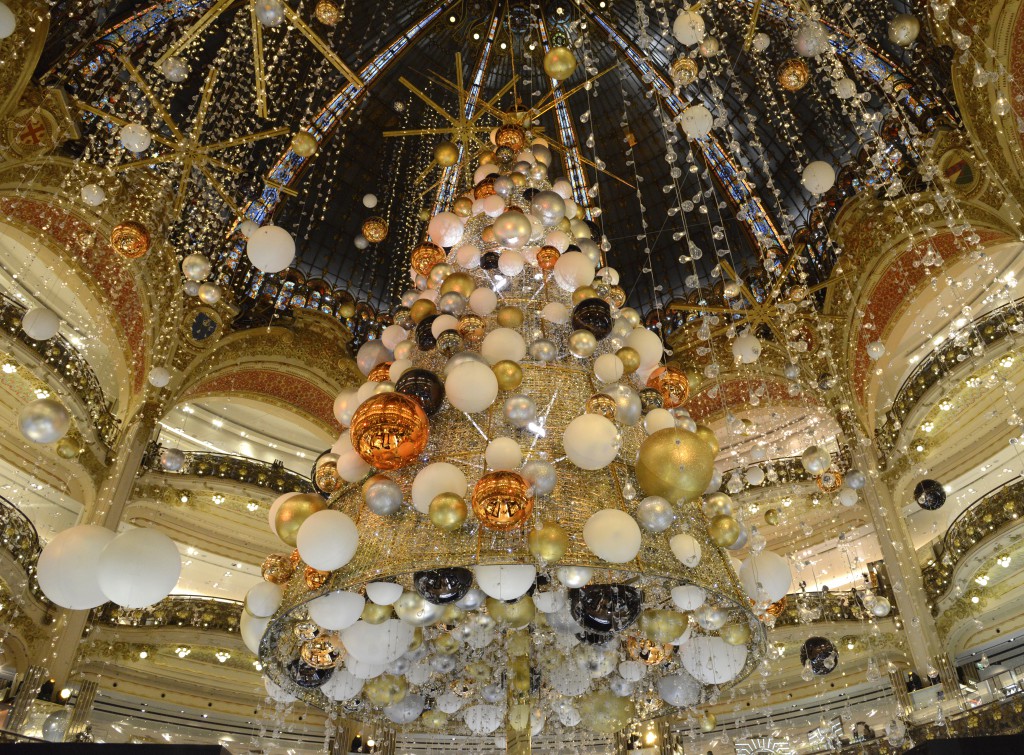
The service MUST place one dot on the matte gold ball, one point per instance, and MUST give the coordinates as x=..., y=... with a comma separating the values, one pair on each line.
x=421, y=309
x=582, y=293
x=514, y=615
x=661, y=626
x=434, y=719
x=446, y=644
x=446, y=154
x=293, y=512
x=509, y=374
x=771, y=516
x=708, y=721
x=375, y=614
x=724, y=531
x=548, y=543
x=518, y=179
x=675, y=464
x=559, y=63
x=487, y=235
x=386, y=689
x=304, y=144
x=448, y=511
x=68, y=448
x=375, y=229
x=460, y=283
x=463, y=207
x=510, y=317
x=630, y=359
x=736, y=634
x=707, y=435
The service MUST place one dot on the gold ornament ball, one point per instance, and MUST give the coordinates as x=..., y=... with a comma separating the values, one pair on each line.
x=487, y=235
x=471, y=328
x=502, y=501
x=509, y=374
x=708, y=721
x=68, y=448
x=717, y=504
x=514, y=615
x=446, y=644
x=707, y=435
x=315, y=579
x=487, y=157
x=559, y=63
x=509, y=317
x=671, y=383
x=304, y=144
x=736, y=634
x=327, y=12
x=548, y=543
x=386, y=689
x=277, y=568
x=547, y=256
x=630, y=359
x=375, y=229
x=306, y=630
x=293, y=512
x=519, y=180
x=582, y=293
x=603, y=404
x=484, y=188
x=389, y=430
x=463, y=207
x=434, y=719
x=793, y=75
x=478, y=671
x=519, y=668
x=684, y=71
x=452, y=614
x=448, y=511
x=425, y=256
x=616, y=296
x=564, y=225
x=421, y=309
x=724, y=531
x=771, y=516
x=661, y=626
x=375, y=614
x=320, y=653
x=446, y=154
x=675, y=464
x=512, y=136
x=380, y=373
x=459, y=283
x=130, y=239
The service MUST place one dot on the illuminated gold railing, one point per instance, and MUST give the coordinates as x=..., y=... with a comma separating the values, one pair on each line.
x=69, y=366
x=993, y=327
x=18, y=536
x=819, y=607
x=980, y=522
x=189, y=611
x=236, y=468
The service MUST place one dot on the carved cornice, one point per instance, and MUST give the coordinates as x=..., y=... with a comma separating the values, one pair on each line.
x=20, y=52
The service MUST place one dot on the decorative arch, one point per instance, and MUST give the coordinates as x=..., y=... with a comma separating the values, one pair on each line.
x=20, y=52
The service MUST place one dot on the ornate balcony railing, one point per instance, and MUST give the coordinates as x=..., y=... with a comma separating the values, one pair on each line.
x=18, y=536
x=994, y=326
x=820, y=607
x=788, y=469
x=236, y=468
x=977, y=523
x=70, y=367
x=189, y=611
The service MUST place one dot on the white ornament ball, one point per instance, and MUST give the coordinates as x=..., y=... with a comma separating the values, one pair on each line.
x=93, y=195
x=612, y=535
x=369, y=201
x=505, y=582
x=483, y=301
x=263, y=599
x=138, y=568
x=503, y=344
x=270, y=249
x=573, y=270
x=608, y=368
x=135, y=137
x=503, y=453
x=746, y=348
x=337, y=610
x=696, y=121
x=818, y=177
x=159, y=377
x=435, y=479
x=44, y=420
x=445, y=229
x=327, y=540
x=591, y=441
x=471, y=387
x=40, y=324
x=876, y=350
x=67, y=567
x=770, y=571
x=689, y=28
x=686, y=549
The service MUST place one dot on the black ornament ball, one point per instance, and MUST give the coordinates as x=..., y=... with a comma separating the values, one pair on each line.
x=306, y=676
x=821, y=654
x=930, y=494
x=424, y=337
x=440, y=586
x=489, y=261
x=604, y=609
x=529, y=194
x=594, y=315
x=424, y=386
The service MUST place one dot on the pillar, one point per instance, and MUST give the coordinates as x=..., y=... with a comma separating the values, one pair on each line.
x=83, y=707
x=35, y=676
x=107, y=509
x=897, y=547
